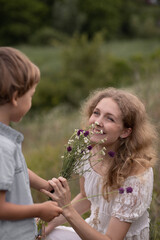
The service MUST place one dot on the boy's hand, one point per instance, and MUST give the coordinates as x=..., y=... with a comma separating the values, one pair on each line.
x=49, y=210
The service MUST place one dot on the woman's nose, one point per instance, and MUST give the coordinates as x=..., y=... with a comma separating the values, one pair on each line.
x=99, y=123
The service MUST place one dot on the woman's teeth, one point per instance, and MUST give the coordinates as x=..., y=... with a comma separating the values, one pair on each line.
x=99, y=131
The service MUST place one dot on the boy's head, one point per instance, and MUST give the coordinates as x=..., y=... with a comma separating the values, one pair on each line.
x=17, y=74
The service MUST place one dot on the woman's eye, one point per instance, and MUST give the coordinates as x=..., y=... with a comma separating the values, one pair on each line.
x=111, y=119
x=95, y=112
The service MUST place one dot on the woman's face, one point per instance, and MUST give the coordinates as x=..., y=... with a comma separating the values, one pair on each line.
x=110, y=125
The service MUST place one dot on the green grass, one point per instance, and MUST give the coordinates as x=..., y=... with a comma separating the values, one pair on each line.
x=127, y=48
x=149, y=92
x=49, y=58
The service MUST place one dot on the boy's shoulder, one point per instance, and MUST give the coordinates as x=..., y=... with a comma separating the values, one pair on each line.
x=10, y=133
x=9, y=138
x=6, y=144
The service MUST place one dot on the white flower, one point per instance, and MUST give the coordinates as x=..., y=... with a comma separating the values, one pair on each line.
x=70, y=141
x=97, y=123
x=86, y=140
x=103, y=153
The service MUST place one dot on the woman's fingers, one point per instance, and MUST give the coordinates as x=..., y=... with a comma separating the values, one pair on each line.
x=61, y=193
x=59, y=186
x=64, y=182
x=56, y=184
x=49, y=194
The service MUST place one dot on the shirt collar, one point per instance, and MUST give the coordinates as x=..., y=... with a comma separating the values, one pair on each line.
x=11, y=133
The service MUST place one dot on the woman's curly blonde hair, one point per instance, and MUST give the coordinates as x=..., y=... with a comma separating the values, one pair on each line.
x=137, y=148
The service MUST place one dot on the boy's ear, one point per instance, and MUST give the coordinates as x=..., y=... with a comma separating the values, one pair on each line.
x=14, y=98
x=126, y=132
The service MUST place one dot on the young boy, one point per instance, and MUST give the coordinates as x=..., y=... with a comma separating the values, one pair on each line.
x=18, y=80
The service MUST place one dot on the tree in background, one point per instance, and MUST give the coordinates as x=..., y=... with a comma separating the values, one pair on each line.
x=67, y=16
x=19, y=19
x=104, y=16
x=43, y=21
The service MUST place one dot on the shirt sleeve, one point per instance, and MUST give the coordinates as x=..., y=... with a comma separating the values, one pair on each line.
x=7, y=165
x=129, y=207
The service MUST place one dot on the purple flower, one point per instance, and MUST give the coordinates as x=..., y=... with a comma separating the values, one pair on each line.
x=79, y=132
x=111, y=153
x=89, y=147
x=121, y=190
x=86, y=133
x=69, y=148
x=129, y=189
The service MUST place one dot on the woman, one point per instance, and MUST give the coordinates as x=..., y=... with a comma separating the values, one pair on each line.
x=120, y=118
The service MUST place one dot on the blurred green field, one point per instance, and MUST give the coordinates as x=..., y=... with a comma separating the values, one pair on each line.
x=69, y=72
x=46, y=134
x=126, y=48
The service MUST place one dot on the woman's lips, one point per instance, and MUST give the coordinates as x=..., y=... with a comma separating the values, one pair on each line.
x=98, y=131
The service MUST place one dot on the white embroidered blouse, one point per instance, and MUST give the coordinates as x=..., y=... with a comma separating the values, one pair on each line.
x=128, y=207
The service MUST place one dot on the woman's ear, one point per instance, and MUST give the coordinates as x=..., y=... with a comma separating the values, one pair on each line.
x=14, y=99
x=126, y=132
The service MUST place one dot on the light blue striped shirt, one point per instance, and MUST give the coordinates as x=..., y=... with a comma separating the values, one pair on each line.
x=14, y=180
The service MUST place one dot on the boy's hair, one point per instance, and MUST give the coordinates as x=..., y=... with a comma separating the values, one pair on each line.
x=17, y=73
x=138, y=147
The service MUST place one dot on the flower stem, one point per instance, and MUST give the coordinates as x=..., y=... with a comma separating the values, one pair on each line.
x=87, y=198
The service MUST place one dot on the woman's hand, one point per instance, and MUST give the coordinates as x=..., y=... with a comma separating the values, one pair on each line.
x=62, y=194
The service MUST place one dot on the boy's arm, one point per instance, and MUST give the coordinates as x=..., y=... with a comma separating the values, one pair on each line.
x=37, y=182
x=9, y=211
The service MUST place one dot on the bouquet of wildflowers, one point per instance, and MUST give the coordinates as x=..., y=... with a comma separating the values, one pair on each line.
x=77, y=152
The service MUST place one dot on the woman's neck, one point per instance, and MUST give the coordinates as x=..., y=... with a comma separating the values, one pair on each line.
x=100, y=162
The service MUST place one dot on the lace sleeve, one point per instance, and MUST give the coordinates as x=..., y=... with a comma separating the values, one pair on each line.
x=130, y=206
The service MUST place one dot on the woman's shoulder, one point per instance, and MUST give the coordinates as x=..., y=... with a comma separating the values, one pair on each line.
x=143, y=176
x=140, y=170
x=131, y=205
